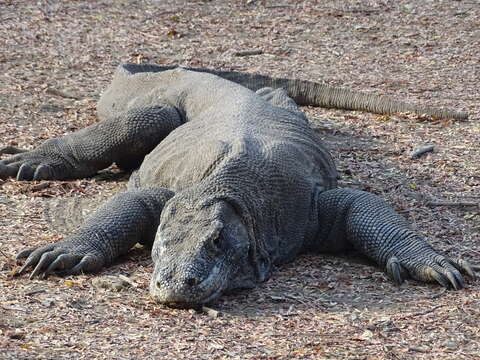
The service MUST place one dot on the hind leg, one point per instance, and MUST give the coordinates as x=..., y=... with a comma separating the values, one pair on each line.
x=280, y=98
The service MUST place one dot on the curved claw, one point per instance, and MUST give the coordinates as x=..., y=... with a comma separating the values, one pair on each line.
x=24, y=253
x=396, y=270
x=60, y=258
x=33, y=256
x=438, y=277
x=23, y=268
x=43, y=172
x=465, y=267
x=456, y=280
x=45, y=260
x=64, y=261
x=25, y=172
x=445, y=267
x=87, y=264
x=430, y=267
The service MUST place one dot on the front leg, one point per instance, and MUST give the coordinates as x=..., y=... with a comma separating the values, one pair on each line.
x=124, y=139
x=128, y=218
x=364, y=221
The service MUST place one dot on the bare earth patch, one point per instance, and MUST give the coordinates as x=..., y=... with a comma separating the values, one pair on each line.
x=56, y=58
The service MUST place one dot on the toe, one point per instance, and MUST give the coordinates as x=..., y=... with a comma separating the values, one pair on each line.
x=25, y=172
x=62, y=263
x=438, y=277
x=24, y=253
x=396, y=271
x=34, y=256
x=43, y=172
x=45, y=260
x=7, y=171
x=463, y=266
x=88, y=264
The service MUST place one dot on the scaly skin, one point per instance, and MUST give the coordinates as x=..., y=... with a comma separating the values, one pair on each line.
x=230, y=183
x=303, y=92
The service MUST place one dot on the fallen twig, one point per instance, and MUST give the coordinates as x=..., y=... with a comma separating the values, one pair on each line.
x=439, y=294
x=421, y=313
x=248, y=52
x=2, y=253
x=34, y=292
x=452, y=203
x=419, y=152
x=279, y=5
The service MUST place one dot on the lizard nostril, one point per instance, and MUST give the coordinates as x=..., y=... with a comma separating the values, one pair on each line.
x=192, y=281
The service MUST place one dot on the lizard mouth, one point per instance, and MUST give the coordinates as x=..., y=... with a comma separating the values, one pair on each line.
x=193, y=305
x=188, y=296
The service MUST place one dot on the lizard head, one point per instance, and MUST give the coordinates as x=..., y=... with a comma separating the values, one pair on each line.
x=199, y=252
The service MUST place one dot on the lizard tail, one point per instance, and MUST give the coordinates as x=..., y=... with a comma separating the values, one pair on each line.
x=310, y=93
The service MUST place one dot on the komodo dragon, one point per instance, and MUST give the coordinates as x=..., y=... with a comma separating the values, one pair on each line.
x=230, y=183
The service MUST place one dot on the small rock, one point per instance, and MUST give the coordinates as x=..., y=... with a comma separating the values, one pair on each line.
x=47, y=302
x=453, y=345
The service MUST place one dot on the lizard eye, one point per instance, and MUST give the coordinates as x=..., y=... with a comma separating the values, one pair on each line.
x=216, y=241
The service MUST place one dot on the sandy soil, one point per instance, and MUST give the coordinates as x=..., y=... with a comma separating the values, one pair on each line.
x=57, y=56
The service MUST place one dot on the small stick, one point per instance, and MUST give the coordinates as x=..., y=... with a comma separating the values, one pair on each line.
x=2, y=253
x=248, y=52
x=34, y=292
x=452, y=203
x=279, y=5
x=419, y=152
x=421, y=313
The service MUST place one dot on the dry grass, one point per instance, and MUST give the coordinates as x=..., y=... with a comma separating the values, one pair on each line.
x=317, y=307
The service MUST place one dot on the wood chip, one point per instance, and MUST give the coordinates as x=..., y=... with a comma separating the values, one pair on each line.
x=211, y=312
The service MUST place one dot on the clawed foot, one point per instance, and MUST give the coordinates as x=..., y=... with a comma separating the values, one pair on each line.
x=431, y=268
x=61, y=258
x=29, y=166
x=43, y=163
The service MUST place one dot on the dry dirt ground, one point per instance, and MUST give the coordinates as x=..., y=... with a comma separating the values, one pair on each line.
x=57, y=56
